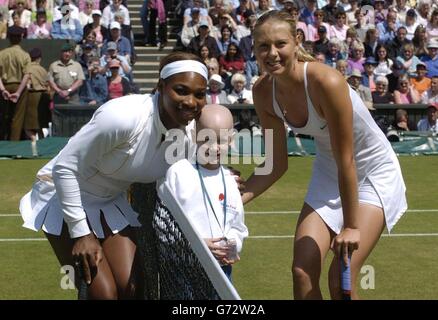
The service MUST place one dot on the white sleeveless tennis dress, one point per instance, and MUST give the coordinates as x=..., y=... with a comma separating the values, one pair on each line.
x=380, y=181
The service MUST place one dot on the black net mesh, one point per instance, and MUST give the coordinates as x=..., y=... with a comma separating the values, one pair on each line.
x=181, y=275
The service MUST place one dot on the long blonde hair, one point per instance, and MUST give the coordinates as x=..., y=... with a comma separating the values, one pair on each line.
x=284, y=16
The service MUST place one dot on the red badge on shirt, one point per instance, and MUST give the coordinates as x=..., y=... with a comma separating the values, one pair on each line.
x=221, y=197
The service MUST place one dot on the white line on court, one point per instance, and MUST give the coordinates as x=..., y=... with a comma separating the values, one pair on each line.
x=267, y=212
x=394, y=235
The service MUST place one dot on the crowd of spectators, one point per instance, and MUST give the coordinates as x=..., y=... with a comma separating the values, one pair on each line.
x=386, y=49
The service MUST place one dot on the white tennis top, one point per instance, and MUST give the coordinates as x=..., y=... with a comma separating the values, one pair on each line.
x=122, y=143
x=183, y=179
x=374, y=157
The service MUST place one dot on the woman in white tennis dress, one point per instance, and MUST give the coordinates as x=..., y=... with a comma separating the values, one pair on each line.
x=79, y=198
x=356, y=187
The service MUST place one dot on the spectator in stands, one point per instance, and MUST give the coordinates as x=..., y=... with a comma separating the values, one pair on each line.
x=157, y=10
x=384, y=63
x=37, y=86
x=117, y=86
x=46, y=6
x=231, y=63
x=58, y=12
x=380, y=12
x=190, y=30
x=301, y=37
x=423, y=11
x=292, y=8
x=409, y=60
x=381, y=94
x=342, y=67
x=85, y=15
x=204, y=54
x=401, y=121
x=66, y=77
x=360, y=27
x=123, y=44
x=357, y=59
x=401, y=10
x=388, y=28
x=420, y=42
x=24, y=16
x=431, y=96
x=263, y=7
x=247, y=27
x=14, y=62
x=203, y=38
x=405, y=93
x=307, y=13
x=354, y=79
x=90, y=43
x=17, y=23
x=215, y=92
x=395, y=46
x=368, y=76
x=101, y=32
x=217, y=8
x=239, y=94
x=110, y=10
x=330, y=12
x=334, y=52
x=113, y=54
x=40, y=29
x=397, y=72
x=432, y=26
x=339, y=29
x=371, y=41
x=69, y=29
x=198, y=5
x=225, y=20
x=245, y=9
x=430, y=123
x=411, y=24
x=313, y=30
x=226, y=38
x=83, y=3
x=432, y=59
x=320, y=57
x=420, y=82
x=351, y=12
x=322, y=44
x=212, y=67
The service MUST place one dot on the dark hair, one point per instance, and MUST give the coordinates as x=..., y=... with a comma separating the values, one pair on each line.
x=202, y=47
x=238, y=54
x=376, y=55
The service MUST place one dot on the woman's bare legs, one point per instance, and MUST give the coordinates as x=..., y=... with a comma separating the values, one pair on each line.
x=311, y=244
x=371, y=225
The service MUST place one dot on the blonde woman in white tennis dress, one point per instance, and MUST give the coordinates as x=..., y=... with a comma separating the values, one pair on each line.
x=356, y=187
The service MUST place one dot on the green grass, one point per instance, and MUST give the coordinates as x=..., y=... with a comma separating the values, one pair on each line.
x=405, y=267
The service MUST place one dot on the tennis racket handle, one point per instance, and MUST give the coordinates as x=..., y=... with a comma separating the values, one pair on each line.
x=345, y=279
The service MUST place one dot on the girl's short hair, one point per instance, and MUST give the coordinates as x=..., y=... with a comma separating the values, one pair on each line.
x=238, y=77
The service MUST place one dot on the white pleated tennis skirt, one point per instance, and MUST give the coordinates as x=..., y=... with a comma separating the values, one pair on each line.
x=40, y=209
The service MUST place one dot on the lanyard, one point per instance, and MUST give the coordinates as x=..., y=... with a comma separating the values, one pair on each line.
x=205, y=192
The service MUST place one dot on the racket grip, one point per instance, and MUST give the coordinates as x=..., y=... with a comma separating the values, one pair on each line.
x=345, y=279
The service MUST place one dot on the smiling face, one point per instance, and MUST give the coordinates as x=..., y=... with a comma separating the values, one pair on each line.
x=274, y=45
x=182, y=97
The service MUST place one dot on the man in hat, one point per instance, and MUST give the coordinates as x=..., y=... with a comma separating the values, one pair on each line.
x=205, y=39
x=113, y=54
x=67, y=27
x=431, y=60
x=14, y=62
x=430, y=122
x=354, y=79
x=190, y=30
x=66, y=77
x=123, y=44
x=420, y=82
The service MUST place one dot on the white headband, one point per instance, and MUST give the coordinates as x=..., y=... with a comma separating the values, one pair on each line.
x=184, y=66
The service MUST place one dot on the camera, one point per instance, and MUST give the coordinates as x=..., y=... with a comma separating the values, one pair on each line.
x=232, y=248
x=241, y=100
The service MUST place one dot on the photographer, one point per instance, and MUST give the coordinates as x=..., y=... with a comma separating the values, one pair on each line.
x=95, y=89
x=112, y=54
